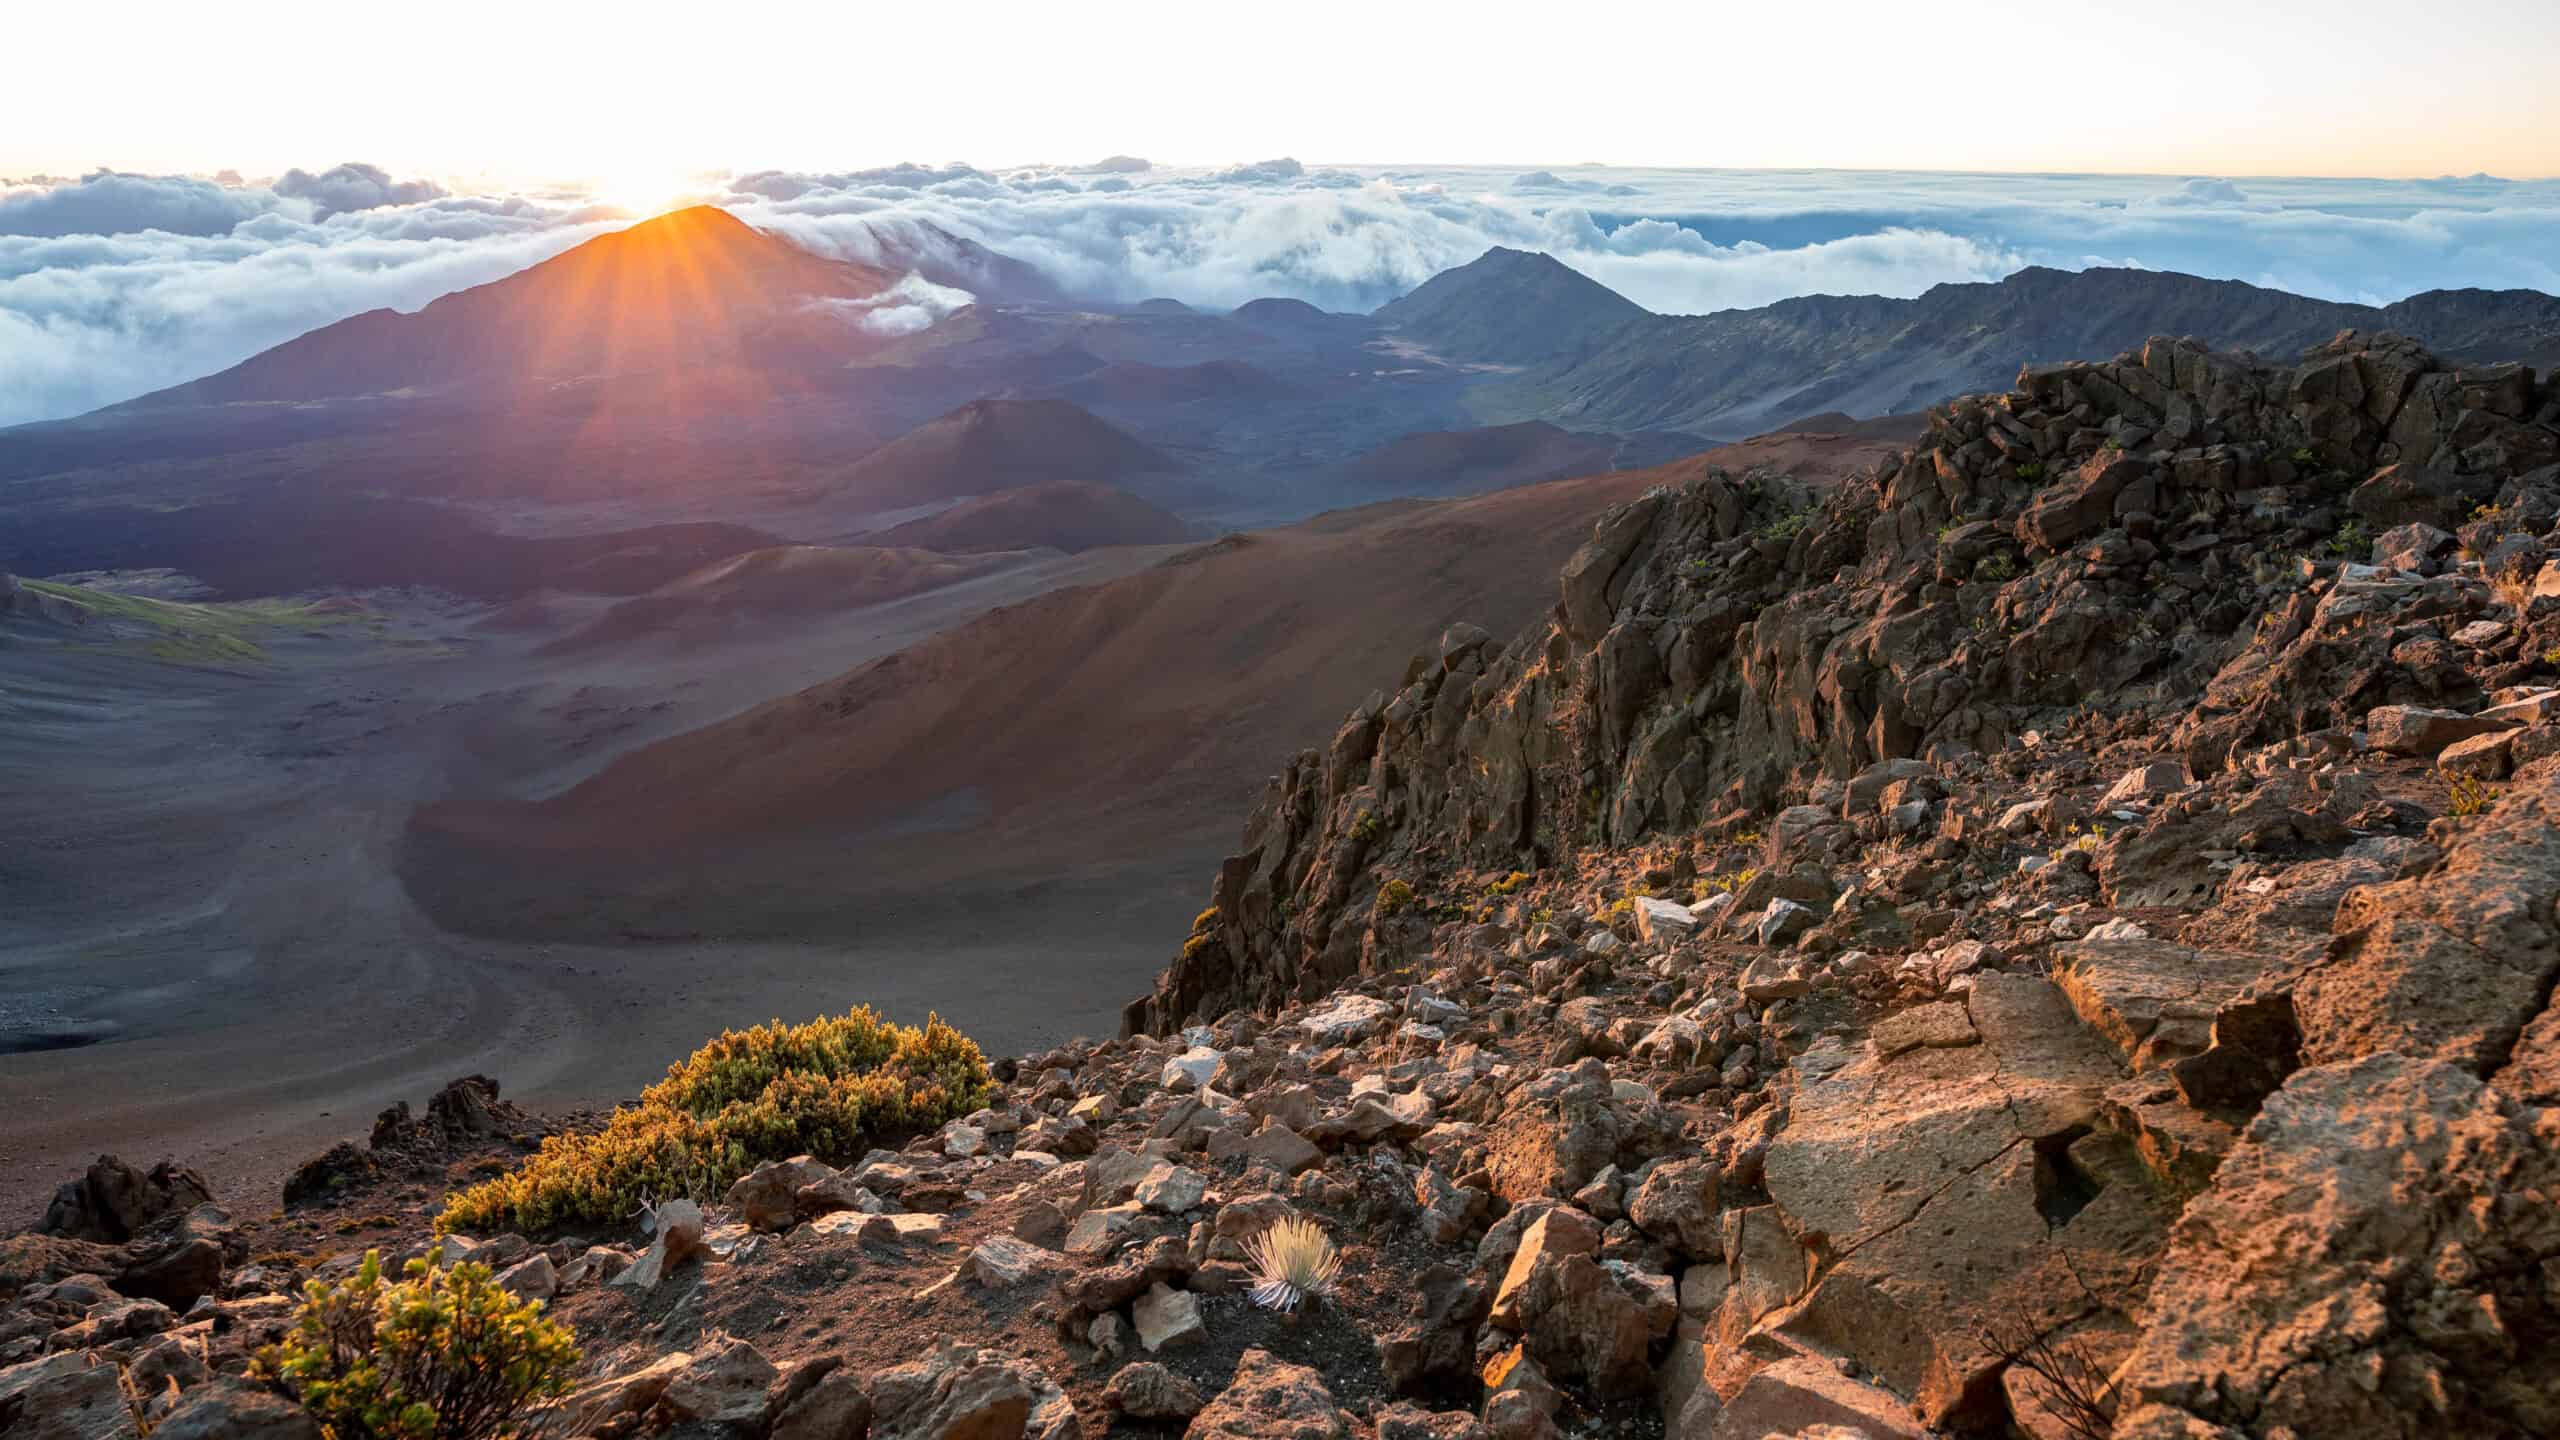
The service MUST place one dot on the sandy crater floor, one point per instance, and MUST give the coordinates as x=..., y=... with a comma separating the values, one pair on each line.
x=206, y=951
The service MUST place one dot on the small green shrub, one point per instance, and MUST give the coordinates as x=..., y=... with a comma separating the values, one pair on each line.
x=831, y=1088
x=1787, y=526
x=1726, y=884
x=2031, y=470
x=441, y=1355
x=1366, y=828
x=1508, y=883
x=1394, y=898
x=1996, y=569
x=2467, y=795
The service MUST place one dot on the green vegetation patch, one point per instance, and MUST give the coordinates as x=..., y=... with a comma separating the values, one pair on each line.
x=440, y=1355
x=833, y=1088
x=186, y=633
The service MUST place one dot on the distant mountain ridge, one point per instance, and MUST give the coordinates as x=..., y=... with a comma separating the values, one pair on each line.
x=1587, y=357
x=690, y=288
x=699, y=369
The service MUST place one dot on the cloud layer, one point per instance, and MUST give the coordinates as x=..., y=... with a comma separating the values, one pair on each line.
x=115, y=284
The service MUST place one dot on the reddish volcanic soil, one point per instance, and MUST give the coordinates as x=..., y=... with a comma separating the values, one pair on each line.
x=1078, y=740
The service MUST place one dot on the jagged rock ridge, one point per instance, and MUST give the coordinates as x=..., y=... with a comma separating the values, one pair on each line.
x=2106, y=536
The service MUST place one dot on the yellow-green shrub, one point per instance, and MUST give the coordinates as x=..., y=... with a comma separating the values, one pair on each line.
x=832, y=1088
x=441, y=1355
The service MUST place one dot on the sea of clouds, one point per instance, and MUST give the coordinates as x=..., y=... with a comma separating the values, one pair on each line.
x=114, y=284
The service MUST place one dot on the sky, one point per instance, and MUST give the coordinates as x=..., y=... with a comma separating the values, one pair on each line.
x=2258, y=87
x=169, y=208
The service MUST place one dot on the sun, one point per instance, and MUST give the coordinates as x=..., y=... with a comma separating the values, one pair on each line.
x=644, y=191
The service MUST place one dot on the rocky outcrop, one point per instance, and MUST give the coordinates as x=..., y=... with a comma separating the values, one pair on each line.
x=463, y=1115
x=114, y=1201
x=2376, y=1259
x=2106, y=536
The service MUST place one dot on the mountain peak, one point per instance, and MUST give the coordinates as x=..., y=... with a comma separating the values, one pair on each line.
x=1514, y=306
x=682, y=289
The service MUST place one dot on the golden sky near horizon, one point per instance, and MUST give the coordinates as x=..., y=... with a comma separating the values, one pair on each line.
x=633, y=93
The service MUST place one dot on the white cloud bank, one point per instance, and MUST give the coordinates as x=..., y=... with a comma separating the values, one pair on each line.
x=113, y=284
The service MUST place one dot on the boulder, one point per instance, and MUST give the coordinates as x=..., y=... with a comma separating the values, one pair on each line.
x=1581, y=1324
x=1271, y=1399
x=2153, y=1001
x=1002, y=1262
x=1438, y=1348
x=1351, y=1017
x=1171, y=1189
x=2482, y=757
x=724, y=1385
x=72, y=1395
x=1274, y=1145
x=1785, y=1399
x=1676, y=1205
x=633, y=1392
x=1405, y=1420
x=1940, y=1025
x=1148, y=1391
x=679, y=1234
x=177, y=1276
x=532, y=1278
x=1662, y=920
x=836, y=1408
x=964, y=1393
x=2450, y=964
x=1552, y=1235
x=2415, y=730
x=1589, y=604
x=230, y=1409
x=113, y=1201
x=2389, y=1209
x=1782, y=922
x=768, y=1197
x=1767, y=980
x=1166, y=1317
x=2149, y=782
x=1192, y=1069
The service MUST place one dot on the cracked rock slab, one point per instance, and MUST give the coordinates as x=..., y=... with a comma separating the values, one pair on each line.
x=1938, y=1185
x=2152, y=1000
x=1942, y=1025
x=2451, y=965
x=2374, y=1259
